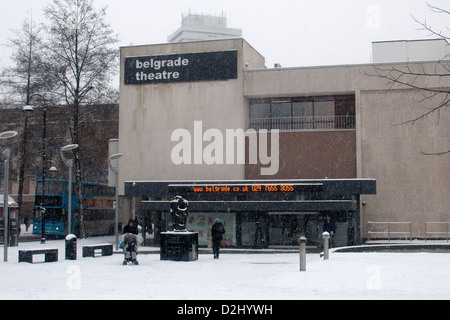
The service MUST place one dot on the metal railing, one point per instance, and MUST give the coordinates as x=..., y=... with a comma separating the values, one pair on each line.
x=389, y=231
x=437, y=232
x=304, y=123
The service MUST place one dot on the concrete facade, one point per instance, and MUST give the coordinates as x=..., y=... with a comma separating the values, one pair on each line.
x=149, y=114
x=411, y=187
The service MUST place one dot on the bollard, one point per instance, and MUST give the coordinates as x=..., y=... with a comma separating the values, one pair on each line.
x=326, y=245
x=302, y=242
x=194, y=252
x=71, y=247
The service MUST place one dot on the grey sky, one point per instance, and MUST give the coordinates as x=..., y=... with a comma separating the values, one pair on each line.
x=290, y=32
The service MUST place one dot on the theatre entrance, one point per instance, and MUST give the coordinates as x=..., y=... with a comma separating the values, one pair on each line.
x=285, y=229
x=264, y=213
x=263, y=230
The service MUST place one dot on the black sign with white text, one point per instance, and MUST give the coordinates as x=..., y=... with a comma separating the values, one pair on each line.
x=203, y=66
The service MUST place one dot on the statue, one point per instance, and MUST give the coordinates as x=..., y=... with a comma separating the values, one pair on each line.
x=179, y=245
x=179, y=212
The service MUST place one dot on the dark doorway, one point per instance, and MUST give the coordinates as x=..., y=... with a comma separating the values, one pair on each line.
x=286, y=229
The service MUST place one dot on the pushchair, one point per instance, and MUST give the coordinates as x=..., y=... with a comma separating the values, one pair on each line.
x=130, y=244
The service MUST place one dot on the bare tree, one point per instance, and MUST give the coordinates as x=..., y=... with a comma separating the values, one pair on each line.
x=427, y=27
x=426, y=79
x=83, y=56
x=29, y=74
x=25, y=79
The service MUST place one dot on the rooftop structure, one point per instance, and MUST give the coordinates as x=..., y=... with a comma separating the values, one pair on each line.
x=200, y=27
x=410, y=51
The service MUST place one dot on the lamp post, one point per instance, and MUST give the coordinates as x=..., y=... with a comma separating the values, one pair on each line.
x=7, y=154
x=116, y=180
x=44, y=155
x=69, y=163
x=27, y=110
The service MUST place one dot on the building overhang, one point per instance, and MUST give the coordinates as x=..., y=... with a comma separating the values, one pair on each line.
x=253, y=206
x=321, y=186
x=260, y=191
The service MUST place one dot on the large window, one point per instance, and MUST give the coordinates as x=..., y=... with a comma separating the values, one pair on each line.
x=303, y=113
x=260, y=109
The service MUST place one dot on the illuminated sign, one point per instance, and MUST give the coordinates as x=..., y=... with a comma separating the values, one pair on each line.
x=202, y=66
x=246, y=188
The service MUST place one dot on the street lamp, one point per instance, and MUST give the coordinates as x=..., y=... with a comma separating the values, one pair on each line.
x=23, y=155
x=44, y=171
x=27, y=108
x=53, y=169
x=69, y=163
x=116, y=156
x=7, y=154
x=8, y=134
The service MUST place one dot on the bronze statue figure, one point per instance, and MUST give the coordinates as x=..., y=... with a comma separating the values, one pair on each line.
x=179, y=212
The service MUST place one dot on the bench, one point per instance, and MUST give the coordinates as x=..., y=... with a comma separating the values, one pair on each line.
x=89, y=251
x=51, y=255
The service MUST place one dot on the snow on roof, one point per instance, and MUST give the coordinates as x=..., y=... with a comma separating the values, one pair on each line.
x=11, y=202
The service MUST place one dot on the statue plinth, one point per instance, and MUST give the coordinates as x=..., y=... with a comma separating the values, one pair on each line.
x=179, y=246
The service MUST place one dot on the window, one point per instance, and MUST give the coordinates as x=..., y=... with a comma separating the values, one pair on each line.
x=281, y=109
x=345, y=113
x=302, y=109
x=303, y=113
x=324, y=108
x=260, y=109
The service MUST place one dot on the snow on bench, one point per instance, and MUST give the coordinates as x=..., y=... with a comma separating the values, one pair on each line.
x=51, y=255
x=91, y=250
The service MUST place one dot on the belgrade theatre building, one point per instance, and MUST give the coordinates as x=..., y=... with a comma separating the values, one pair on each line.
x=272, y=152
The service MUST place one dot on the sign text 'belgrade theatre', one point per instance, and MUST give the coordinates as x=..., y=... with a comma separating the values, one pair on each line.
x=203, y=66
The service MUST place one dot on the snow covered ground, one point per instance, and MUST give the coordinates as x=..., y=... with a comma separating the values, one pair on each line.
x=232, y=277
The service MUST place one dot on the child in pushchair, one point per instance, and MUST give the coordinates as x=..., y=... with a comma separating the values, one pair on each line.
x=130, y=244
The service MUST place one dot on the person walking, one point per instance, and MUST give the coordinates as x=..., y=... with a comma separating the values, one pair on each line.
x=259, y=236
x=217, y=232
x=330, y=227
x=26, y=221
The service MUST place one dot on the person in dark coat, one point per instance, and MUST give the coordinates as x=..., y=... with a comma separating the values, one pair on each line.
x=330, y=227
x=130, y=232
x=259, y=236
x=217, y=232
x=131, y=227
